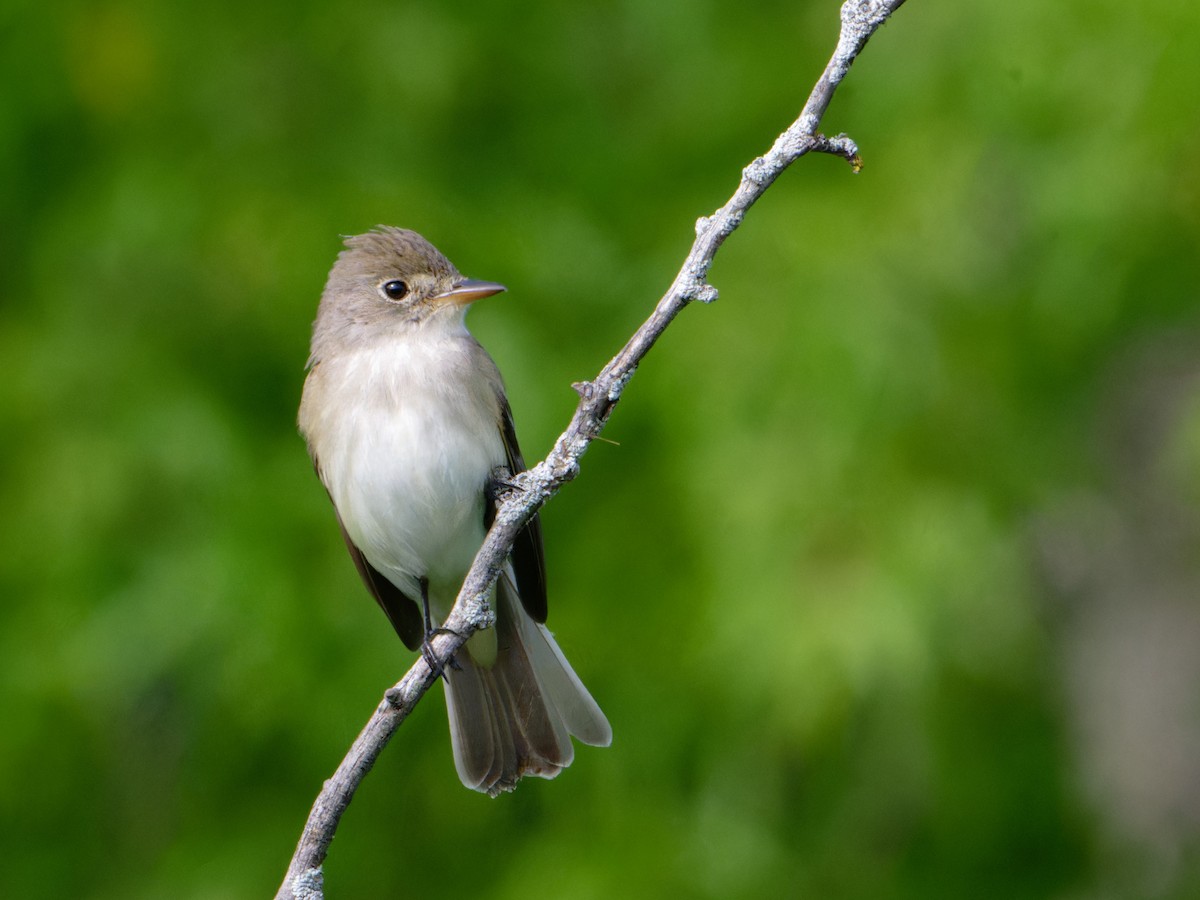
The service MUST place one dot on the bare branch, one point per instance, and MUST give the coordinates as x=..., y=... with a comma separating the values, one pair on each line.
x=532, y=488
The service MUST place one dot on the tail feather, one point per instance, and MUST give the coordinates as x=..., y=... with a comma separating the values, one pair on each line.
x=516, y=717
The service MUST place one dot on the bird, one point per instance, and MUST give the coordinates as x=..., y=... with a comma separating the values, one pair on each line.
x=408, y=425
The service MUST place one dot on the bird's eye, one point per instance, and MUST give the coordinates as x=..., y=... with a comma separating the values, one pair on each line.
x=395, y=290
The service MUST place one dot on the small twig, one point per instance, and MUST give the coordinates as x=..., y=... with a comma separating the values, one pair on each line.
x=860, y=19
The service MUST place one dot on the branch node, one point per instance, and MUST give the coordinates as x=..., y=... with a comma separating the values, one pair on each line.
x=697, y=288
x=692, y=282
x=582, y=388
x=839, y=145
x=758, y=172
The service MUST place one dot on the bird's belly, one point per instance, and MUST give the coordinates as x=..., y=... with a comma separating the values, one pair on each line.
x=414, y=491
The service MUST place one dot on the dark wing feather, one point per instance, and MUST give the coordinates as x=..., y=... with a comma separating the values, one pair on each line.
x=529, y=563
x=402, y=611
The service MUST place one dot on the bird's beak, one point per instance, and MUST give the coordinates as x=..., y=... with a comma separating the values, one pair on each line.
x=468, y=291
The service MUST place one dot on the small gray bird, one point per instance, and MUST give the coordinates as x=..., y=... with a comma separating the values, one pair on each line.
x=406, y=421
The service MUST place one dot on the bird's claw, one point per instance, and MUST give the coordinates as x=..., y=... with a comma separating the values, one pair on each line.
x=500, y=482
x=430, y=657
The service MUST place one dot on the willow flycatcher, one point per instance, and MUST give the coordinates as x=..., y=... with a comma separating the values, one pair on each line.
x=406, y=421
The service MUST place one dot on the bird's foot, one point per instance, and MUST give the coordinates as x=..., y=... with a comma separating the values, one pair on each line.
x=499, y=483
x=430, y=657
x=427, y=653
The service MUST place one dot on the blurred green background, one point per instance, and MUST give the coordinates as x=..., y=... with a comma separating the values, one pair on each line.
x=888, y=580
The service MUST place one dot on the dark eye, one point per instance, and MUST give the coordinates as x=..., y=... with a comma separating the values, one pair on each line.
x=396, y=290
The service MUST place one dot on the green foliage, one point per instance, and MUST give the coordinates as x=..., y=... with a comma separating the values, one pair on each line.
x=810, y=582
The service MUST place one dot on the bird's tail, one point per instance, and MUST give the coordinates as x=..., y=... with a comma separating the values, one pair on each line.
x=516, y=717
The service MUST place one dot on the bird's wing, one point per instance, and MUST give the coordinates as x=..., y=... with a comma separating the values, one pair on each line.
x=402, y=611
x=528, y=561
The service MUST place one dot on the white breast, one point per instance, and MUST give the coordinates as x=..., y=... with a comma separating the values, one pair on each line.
x=406, y=437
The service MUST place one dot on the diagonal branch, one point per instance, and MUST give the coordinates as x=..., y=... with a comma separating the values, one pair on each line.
x=532, y=488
